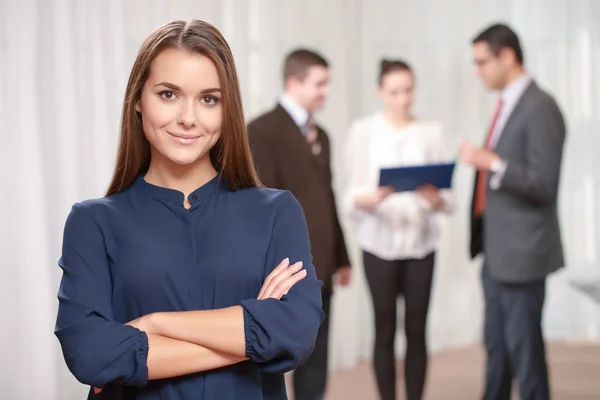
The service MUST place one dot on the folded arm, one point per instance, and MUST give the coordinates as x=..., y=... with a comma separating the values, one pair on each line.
x=277, y=333
x=280, y=334
x=97, y=349
x=168, y=358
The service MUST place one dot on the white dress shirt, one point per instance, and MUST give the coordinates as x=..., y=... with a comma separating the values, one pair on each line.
x=510, y=96
x=298, y=114
x=403, y=226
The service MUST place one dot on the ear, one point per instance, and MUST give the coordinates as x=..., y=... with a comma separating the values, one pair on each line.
x=293, y=81
x=507, y=55
x=137, y=106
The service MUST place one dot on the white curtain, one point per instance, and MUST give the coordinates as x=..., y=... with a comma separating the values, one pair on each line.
x=63, y=69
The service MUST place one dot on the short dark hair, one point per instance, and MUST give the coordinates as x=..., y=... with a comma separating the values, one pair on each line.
x=498, y=37
x=299, y=61
x=389, y=66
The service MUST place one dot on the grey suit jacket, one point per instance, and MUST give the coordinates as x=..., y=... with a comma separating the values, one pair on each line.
x=519, y=233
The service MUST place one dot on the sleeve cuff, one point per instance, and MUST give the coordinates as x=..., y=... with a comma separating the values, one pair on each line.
x=142, y=380
x=249, y=335
x=498, y=169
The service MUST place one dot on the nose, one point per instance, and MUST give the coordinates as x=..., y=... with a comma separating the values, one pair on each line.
x=479, y=71
x=187, y=115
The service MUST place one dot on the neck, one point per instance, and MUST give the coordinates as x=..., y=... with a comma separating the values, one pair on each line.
x=294, y=98
x=514, y=75
x=184, y=178
x=398, y=120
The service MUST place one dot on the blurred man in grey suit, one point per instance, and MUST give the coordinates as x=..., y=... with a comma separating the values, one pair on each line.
x=514, y=219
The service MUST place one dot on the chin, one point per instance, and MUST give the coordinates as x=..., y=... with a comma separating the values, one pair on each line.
x=318, y=106
x=184, y=158
x=183, y=161
x=493, y=86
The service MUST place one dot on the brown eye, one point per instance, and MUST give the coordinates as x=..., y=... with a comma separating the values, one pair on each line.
x=167, y=94
x=209, y=100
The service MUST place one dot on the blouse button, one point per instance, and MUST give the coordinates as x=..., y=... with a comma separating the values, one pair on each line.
x=194, y=197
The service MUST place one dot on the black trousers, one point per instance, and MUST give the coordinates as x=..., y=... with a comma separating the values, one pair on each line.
x=388, y=279
x=310, y=380
x=513, y=339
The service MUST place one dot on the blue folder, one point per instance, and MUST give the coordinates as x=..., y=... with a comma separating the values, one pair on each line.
x=409, y=178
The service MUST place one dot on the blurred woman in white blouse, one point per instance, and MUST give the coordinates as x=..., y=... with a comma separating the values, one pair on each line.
x=397, y=232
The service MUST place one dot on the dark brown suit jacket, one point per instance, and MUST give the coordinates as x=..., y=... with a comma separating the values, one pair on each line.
x=284, y=161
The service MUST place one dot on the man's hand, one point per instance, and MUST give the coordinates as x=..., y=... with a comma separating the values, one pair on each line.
x=344, y=275
x=480, y=158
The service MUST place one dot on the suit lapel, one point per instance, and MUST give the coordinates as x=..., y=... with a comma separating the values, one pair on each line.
x=514, y=115
x=295, y=137
x=506, y=130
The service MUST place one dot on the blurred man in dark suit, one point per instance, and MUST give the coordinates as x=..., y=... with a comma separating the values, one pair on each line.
x=292, y=152
x=514, y=221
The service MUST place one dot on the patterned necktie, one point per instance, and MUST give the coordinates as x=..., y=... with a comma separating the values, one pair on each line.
x=312, y=134
x=480, y=189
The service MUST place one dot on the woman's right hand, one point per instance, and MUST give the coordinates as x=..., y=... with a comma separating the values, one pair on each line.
x=370, y=201
x=281, y=280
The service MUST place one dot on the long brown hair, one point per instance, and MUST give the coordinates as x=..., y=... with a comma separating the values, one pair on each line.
x=231, y=155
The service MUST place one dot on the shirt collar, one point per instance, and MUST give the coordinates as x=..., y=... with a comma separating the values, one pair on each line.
x=298, y=114
x=511, y=94
x=198, y=196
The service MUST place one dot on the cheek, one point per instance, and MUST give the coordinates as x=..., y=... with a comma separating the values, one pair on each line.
x=401, y=99
x=212, y=119
x=480, y=71
x=323, y=90
x=390, y=99
x=491, y=73
x=157, y=115
x=317, y=92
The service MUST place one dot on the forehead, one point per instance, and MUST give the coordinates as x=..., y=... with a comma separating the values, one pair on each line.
x=397, y=78
x=190, y=71
x=317, y=73
x=481, y=49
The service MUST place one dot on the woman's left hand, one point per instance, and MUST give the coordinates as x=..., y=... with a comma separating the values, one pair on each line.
x=432, y=195
x=281, y=280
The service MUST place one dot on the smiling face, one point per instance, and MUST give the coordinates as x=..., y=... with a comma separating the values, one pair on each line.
x=181, y=108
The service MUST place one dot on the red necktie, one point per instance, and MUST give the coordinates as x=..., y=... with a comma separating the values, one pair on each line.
x=480, y=189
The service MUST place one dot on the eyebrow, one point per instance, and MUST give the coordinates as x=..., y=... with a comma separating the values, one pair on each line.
x=175, y=87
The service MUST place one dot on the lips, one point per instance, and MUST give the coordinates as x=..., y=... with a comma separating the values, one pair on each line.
x=183, y=138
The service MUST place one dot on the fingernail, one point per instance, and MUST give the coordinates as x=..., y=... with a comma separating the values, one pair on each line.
x=303, y=272
x=286, y=260
x=300, y=263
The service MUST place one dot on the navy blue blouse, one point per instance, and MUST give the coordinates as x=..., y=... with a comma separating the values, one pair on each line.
x=141, y=251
